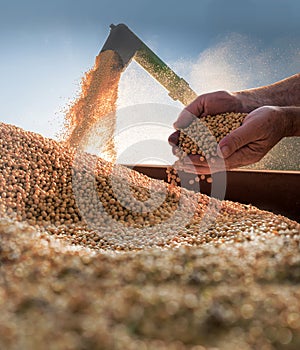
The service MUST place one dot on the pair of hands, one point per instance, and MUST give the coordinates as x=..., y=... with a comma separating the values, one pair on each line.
x=262, y=129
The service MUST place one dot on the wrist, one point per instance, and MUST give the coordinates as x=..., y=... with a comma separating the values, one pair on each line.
x=247, y=100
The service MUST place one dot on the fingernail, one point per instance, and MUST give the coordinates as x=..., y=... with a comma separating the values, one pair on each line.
x=225, y=151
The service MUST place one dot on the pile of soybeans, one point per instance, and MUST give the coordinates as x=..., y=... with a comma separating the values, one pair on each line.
x=94, y=256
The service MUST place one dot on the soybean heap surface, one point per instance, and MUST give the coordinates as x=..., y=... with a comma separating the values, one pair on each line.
x=132, y=276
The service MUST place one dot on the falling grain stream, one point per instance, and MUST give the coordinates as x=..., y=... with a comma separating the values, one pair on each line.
x=96, y=106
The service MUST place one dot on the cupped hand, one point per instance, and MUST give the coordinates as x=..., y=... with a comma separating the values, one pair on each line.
x=211, y=103
x=261, y=130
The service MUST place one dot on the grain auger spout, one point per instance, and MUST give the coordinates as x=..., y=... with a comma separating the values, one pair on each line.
x=128, y=46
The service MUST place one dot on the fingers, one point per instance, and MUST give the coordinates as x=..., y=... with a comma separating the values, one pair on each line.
x=236, y=140
x=189, y=114
x=233, y=150
x=184, y=119
x=244, y=156
x=237, y=149
x=174, y=138
x=193, y=169
x=174, y=142
x=196, y=107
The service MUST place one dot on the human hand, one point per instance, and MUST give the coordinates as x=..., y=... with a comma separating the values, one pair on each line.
x=211, y=103
x=261, y=130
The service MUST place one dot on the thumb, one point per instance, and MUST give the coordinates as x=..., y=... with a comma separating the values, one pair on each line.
x=189, y=114
x=184, y=119
x=234, y=141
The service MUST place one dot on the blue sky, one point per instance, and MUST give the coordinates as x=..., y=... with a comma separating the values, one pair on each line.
x=46, y=46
